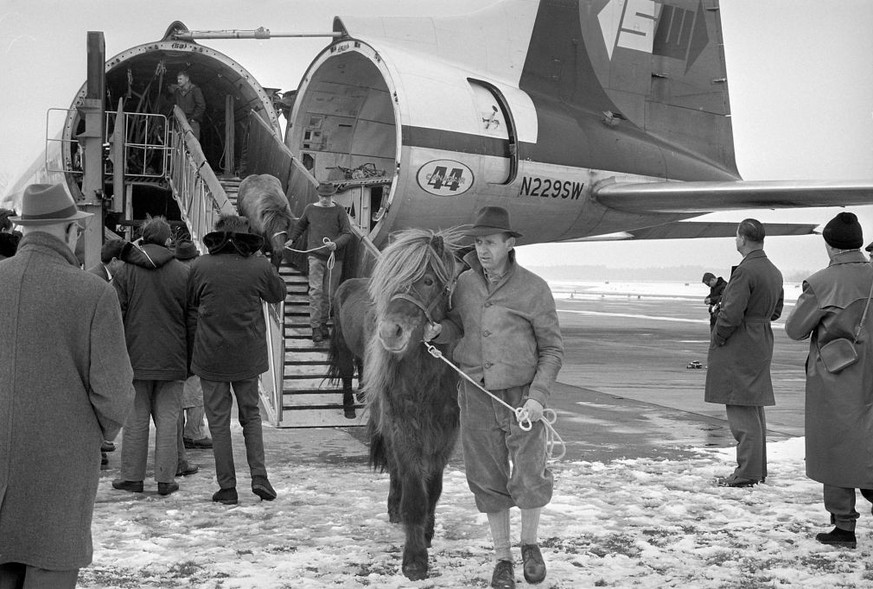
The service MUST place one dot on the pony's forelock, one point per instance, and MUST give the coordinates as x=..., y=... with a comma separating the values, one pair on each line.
x=408, y=257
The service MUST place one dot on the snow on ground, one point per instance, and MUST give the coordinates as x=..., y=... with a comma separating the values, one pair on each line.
x=628, y=523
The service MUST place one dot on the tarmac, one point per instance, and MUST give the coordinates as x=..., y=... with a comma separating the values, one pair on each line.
x=627, y=389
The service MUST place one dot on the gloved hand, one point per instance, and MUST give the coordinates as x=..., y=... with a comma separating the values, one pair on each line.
x=534, y=410
x=431, y=330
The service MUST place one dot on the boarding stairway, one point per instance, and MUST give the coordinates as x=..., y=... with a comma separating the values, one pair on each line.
x=295, y=391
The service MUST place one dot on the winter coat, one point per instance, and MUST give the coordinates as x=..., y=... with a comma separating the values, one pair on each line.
x=152, y=289
x=65, y=386
x=839, y=407
x=511, y=335
x=741, y=347
x=191, y=102
x=227, y=288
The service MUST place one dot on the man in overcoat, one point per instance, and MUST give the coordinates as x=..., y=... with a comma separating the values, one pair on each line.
x=839, y=406
x=65, y=386
x=740, y=352
x=228, y=287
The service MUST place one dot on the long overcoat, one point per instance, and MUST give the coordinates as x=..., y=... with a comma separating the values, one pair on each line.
x=741, y=346
x=65, y=385
x=839, y=407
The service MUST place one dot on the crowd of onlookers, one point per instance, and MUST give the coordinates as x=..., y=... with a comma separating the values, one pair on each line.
x=158, y=332
x=154, y=332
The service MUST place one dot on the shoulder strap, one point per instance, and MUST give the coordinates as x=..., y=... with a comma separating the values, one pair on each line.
x=864, y=315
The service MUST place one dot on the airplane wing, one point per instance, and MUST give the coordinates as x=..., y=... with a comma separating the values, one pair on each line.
x=707, y=197
x=699, y=229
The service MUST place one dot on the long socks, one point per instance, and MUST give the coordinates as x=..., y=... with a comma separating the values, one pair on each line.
x=530, y=523
x=499, y=522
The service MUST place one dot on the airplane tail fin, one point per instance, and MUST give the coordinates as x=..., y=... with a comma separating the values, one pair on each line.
x=657, y=64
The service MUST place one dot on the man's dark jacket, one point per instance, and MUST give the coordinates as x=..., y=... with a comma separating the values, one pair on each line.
x=152, y=290
x=227, y=287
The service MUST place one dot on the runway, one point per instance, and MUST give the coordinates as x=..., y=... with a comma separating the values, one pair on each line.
x=625, y=389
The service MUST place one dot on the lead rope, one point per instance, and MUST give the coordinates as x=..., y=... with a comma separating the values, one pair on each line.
x=521, y=414
x=331, y=260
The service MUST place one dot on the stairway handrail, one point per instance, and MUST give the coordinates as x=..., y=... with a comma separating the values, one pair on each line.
x=202, y=200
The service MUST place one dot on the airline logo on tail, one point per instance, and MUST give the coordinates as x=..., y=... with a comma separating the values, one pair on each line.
x=654, y=27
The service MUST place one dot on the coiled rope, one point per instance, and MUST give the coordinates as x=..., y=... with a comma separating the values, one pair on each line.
x=331, y=260
x=521, y=414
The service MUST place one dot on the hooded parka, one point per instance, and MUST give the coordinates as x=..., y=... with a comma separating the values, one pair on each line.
x=65, y=386
x=839, y=407
x=152, y=288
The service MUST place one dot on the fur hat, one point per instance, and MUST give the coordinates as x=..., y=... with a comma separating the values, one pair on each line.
x=48, y=204
x=844, y=232
x=232, y=235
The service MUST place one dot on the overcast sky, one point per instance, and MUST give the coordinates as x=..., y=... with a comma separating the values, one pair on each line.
x=800, y=74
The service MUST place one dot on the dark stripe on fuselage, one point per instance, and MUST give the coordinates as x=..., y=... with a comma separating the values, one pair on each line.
x=454, y=141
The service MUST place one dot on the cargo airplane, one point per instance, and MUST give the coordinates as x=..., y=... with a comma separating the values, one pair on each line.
x=587, y=119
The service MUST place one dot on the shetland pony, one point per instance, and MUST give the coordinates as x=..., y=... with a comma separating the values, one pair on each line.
x=262, y=200
x=411, y=396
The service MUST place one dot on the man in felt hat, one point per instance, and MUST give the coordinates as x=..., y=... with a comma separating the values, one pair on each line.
x=329, y=232
x=740, y=352
x=511, y=344
x=839, y=405
x=228, y=286
x=66, y=385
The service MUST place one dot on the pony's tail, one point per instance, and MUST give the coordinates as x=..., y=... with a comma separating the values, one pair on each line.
x=340, y=358
x=378, y=458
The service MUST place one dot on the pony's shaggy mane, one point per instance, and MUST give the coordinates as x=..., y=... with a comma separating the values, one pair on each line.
x=404, y=262
x=408, y=257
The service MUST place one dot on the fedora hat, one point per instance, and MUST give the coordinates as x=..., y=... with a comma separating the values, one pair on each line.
x=47, y=204
x=491, y=220
x=326, y=189
x=185, y=250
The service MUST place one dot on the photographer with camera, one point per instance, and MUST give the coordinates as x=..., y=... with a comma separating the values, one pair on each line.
x=713, y=301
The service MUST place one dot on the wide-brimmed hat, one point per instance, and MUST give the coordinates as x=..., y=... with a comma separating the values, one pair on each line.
x=185, y=250
x=47, y=204
x=326, y=189
x=491, y=220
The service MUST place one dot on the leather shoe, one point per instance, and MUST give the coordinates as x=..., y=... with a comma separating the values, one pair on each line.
x=734, y=481
x=132, y=486
x=838, y=537
x=262, y=488
x=202, y=444
x=186, y=468
x=226, y=496
x=503, y=576
x=167, y=488
x=107, y=446
x=534, y=566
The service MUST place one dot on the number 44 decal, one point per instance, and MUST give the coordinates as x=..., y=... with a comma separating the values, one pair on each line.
x=445, y=177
